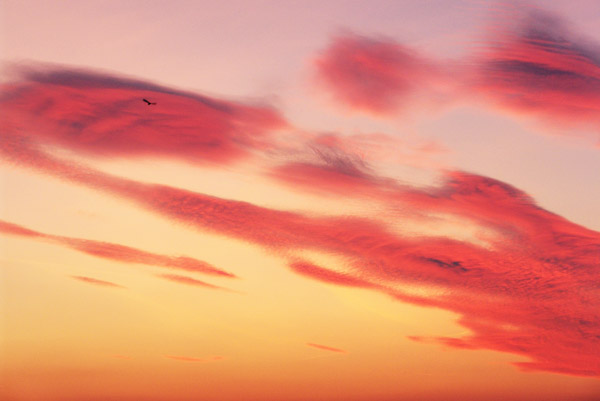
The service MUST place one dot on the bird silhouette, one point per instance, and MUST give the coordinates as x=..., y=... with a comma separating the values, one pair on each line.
x=149, y=102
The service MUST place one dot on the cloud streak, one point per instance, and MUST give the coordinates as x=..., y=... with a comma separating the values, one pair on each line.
x=326, y=348
x=117, y=252
x=188, y=281
x=95, y=281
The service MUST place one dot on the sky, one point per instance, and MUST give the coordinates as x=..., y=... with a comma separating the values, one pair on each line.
x=324, y=200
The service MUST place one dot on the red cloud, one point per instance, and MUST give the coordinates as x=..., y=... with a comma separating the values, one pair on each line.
x=374, y=75
x=96, y=281
x=326, y=348
x=531, y=291
x=329, y=276
x=105, y=116
x=118, y=252
x=537, y=65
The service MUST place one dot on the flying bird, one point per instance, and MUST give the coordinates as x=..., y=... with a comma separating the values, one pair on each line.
x=149, y=102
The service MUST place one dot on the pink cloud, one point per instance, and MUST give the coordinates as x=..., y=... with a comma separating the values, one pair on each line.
x=316, y=272
x=535, y=64
x=118, y=252
x=105, y=116
x=514, y=295
x=187, y=280
x=14, y=229
x=374, y=75
x=94, y=281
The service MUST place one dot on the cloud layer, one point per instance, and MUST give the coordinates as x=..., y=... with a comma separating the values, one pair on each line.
x=513, y=290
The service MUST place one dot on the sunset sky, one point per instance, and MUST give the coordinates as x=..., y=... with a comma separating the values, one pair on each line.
x=330, y=200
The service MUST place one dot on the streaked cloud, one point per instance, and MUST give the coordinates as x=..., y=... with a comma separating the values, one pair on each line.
x=95, y=281
x=120, y=253
x=188, y=280
x=326, y=348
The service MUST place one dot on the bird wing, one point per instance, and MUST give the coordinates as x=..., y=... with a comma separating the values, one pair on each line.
x=147, y=101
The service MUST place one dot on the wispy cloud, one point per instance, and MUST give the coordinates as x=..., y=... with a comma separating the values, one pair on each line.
x=95, y=281
x=188, y=280
x=121, y=253
x=326, y=348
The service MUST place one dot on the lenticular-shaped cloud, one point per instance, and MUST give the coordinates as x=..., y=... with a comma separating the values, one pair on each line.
x=370, y=74
x=104, y=115
x=535, y=64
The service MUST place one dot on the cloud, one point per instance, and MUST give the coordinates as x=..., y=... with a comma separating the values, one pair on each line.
x=316, y=272
x=121, y=253
x=334, y=164
x=326, y=348
x=91, y=280
x=535, y=64
x=514, y=293
x=13, y=229
x=188, y=280
x=104, y=116
x=376, y=75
